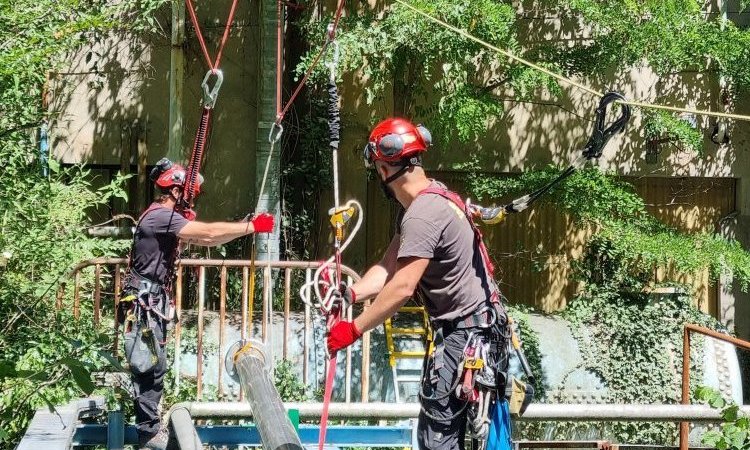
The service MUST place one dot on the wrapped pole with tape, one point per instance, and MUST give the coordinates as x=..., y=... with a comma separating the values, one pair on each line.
x=248, y=363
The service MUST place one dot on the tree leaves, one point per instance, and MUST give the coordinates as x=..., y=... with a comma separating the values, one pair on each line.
x=735, y=431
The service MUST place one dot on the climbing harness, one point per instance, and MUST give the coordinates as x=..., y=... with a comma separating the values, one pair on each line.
x=592, y=150
x=482, y=372
x=210, y=94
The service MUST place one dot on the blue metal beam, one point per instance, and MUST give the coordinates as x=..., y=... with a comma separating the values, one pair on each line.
x=340, y=435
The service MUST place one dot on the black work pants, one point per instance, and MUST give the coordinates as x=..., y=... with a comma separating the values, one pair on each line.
x=442, y=419
x=148, y=391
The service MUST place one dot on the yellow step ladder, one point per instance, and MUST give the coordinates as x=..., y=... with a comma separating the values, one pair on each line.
x=393, y=337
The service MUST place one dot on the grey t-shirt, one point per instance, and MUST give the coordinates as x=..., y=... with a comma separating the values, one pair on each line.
x=155, y=243
x=455, y=283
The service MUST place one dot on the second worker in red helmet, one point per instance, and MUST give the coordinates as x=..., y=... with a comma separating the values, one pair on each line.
x=147, y=306
x=437, y=253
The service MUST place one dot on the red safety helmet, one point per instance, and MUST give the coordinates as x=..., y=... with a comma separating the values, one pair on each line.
x=166, y=175
x=396, y=139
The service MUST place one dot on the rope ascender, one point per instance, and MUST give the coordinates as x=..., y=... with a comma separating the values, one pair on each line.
x=328, y=276
x=592, y=150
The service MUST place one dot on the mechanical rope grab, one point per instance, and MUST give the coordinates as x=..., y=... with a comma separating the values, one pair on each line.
x=593, y=149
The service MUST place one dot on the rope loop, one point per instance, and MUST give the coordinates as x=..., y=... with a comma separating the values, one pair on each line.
x=210, y=94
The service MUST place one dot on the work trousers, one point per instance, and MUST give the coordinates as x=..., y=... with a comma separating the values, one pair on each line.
x=148, y=389
x=442, y=419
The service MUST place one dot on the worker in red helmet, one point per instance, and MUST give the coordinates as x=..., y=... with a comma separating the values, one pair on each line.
x=147, y=308
x=437, y=253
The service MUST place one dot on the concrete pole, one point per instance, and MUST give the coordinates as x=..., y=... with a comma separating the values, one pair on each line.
x=268, y=244
x=176, y=81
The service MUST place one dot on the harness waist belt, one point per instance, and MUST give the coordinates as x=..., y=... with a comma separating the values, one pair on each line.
x=482, y=318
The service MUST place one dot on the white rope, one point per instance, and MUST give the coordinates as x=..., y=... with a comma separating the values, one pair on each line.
x=314, y=286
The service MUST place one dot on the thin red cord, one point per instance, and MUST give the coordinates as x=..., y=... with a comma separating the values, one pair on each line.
x=308, y=72
x=213, y=65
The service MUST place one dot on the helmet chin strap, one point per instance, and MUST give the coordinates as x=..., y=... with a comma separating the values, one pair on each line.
x=406, y=165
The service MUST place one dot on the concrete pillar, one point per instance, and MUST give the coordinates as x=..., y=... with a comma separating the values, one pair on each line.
x=268, y=245
x=176, y=81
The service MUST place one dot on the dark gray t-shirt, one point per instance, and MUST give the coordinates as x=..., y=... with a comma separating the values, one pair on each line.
x=455, y=283
x=155, y=243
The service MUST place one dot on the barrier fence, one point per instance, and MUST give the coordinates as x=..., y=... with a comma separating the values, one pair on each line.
x=109, y=272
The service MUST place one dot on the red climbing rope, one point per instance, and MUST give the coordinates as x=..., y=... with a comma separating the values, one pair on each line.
x=210, y=93
x=212, y=64
x=330, y=35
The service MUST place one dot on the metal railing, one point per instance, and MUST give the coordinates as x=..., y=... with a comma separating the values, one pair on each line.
x=114, y=268
x=685, y=400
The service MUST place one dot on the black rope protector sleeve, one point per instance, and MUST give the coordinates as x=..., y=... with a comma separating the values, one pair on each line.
x=334, y=118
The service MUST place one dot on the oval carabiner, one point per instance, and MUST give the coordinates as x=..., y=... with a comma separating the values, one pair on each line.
x=602, y=135
x=211, y=93
x=274, y=134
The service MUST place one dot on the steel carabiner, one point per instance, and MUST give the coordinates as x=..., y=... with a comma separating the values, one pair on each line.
x=274, y=134
x=211, y=93
x=601, y=135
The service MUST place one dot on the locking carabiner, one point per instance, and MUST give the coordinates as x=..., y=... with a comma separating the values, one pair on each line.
x=211, y=93
x=601, y=135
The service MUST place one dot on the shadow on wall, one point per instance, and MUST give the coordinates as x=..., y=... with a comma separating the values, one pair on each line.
x=114, y=106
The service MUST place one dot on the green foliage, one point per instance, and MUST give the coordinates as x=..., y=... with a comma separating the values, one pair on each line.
x=288, y=383
x=661, y=125
x=530, y=345
x=432, y=71
x=47, y=356
x=624, y=231
x=306, y=175
x=451, y=82
x=734, y=433
x=669, y=36
x=632, y=341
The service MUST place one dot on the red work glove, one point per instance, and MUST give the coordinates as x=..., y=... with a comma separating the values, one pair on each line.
x=262, y=223
x=342, y=335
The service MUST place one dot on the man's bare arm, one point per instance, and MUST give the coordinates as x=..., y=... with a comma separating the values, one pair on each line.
x=210, y=234
x=394, y=294
x=376, y=276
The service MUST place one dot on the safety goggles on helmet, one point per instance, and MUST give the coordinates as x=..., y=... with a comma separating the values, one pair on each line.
x=394, y=140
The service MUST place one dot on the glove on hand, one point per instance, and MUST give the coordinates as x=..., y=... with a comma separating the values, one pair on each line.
x=342, y=335
x=262, y=223
x=345, y=296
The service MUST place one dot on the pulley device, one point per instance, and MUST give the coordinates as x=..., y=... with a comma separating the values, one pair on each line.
x=210, y=86
x=327, y=279
x=593, y=150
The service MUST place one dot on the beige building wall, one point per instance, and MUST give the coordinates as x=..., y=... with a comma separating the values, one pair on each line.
x=114, y=103
x=115, y=106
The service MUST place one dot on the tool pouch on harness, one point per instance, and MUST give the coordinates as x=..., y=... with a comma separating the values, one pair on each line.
x=518, y=393
x=141, y=346
x=144, y=309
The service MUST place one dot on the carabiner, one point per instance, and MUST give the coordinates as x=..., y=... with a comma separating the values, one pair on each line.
x=210, y=94
x=601, y=135
x=274, y=137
